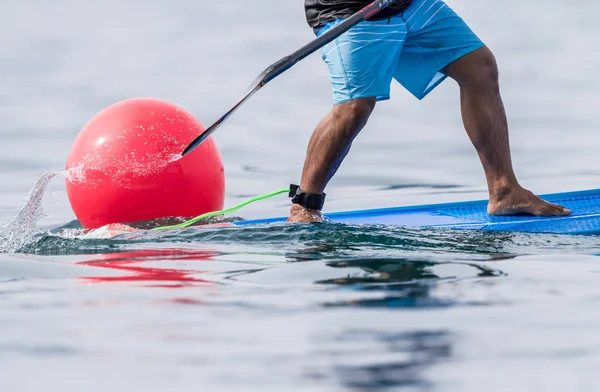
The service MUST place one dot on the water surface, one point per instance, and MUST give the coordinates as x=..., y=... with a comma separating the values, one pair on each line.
x=317, y=308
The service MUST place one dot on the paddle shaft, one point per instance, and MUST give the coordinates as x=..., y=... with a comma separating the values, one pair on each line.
x=289, y=61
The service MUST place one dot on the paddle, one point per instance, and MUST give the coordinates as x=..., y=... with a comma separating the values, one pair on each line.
x=288, y=62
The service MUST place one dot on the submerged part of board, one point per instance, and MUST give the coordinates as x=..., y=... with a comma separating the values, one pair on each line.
x=585, y=217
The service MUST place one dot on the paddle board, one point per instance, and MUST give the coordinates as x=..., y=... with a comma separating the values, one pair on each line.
x=468, y=215
x=585, y=217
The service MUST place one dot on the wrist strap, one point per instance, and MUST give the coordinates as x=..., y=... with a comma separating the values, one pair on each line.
x=311, y=201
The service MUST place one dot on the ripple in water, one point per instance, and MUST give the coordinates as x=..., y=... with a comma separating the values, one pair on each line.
x=296, y=241
x=322, y=241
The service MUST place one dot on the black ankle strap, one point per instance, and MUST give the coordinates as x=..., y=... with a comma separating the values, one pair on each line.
x=311, y=201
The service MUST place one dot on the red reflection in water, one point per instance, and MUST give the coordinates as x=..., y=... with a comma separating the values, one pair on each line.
x=132, y=263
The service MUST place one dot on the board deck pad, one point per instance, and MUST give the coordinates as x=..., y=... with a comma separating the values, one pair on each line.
x=585, y=217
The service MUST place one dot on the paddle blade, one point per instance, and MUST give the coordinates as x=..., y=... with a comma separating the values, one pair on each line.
x=267, y=75
x=204, y=135
x=196, y=142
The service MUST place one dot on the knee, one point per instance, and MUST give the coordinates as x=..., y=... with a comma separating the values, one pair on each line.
x=488, y=73
x=480, y=72
x=355, y=112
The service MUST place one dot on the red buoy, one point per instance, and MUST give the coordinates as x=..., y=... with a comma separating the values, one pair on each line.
x=126, y=166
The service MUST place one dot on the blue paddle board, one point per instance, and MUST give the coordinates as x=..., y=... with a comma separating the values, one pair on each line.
x=585, y=217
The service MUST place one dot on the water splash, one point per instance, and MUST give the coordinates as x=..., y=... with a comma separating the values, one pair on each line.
x=113, y=161
x=17, y=232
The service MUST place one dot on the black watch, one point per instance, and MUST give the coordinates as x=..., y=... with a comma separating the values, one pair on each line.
x=311, y=201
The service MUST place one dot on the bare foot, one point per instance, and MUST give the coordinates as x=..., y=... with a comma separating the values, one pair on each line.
x=301, y=214
x=521, y=201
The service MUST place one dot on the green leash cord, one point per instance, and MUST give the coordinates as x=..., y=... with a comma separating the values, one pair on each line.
x=223, y=212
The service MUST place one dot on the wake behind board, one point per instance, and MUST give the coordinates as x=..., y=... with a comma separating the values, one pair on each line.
x=585, y=217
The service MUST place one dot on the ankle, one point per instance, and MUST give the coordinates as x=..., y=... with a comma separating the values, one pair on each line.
x=297, y=209
x=502, y=188
x=301, y=214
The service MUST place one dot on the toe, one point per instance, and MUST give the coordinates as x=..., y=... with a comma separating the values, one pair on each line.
x=554, y=210
x=565, y=211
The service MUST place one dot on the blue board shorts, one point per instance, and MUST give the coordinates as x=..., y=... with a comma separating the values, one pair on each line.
x=412, y=47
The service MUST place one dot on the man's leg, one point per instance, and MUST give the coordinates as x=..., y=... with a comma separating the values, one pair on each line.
x=485, y=121
x=361, y=65
x=328, y=146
